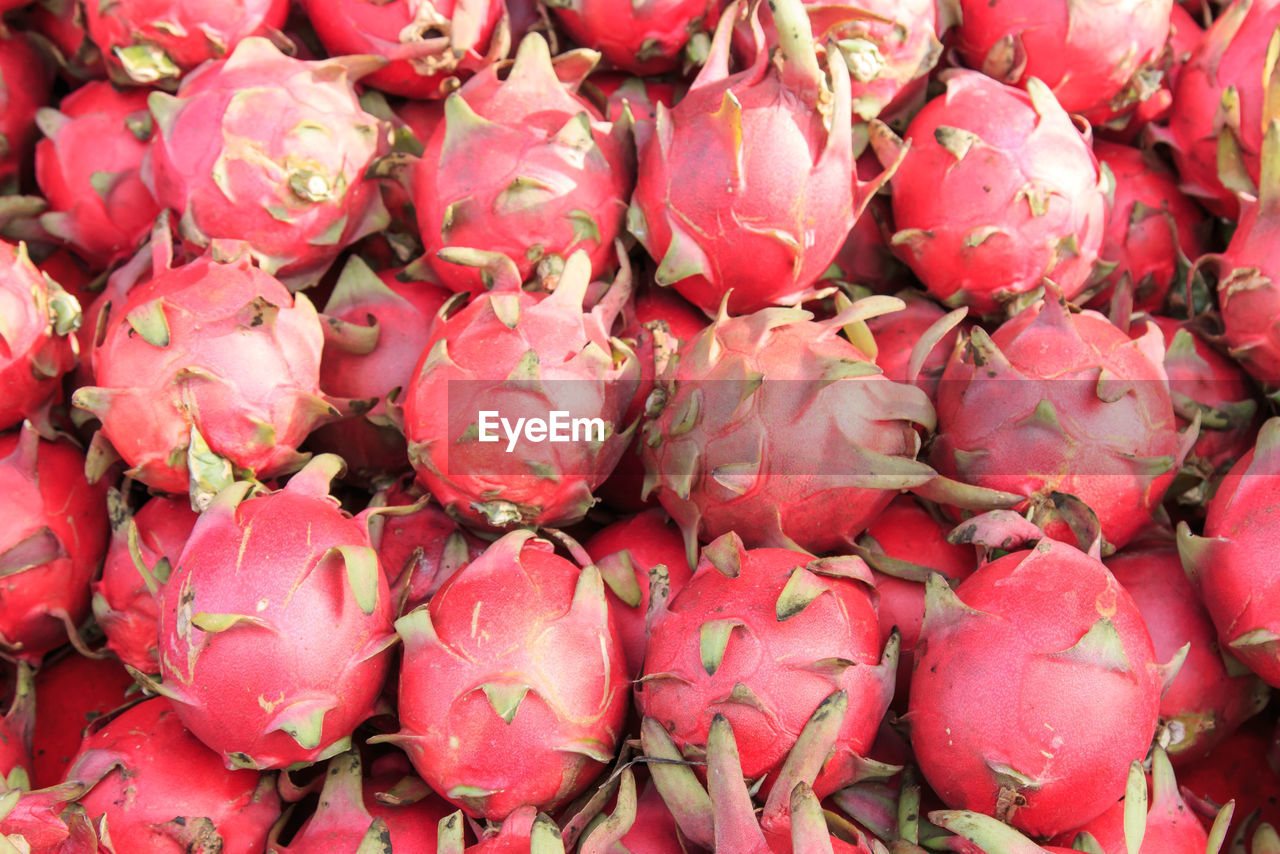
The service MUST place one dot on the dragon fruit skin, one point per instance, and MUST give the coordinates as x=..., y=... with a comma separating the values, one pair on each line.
x=124, y=602
x=543, y=677
x=294, y=187
x=1085, y=411
x=750, y=637
x=156, y=42
x=525, y=167
x=1245, y=755
x=61, y=23
x=1150, y=226
x=262, y=580
x=1043, y=216
x=751, y=419
x=521, y=355
x=52, y=542
x=625, y=552
x=37, y=319
x=1080, y=672
x=162, y=791
x=430, y=47
x=48, y=821
x=1230, y=564
x=644, y=39
x=1213, y=693
x=743, y=189
x=88, y=169
x=241, y=369
x=897, y=333
x=72, y=691
x=1185, y=33
x=1099, y=58
x=27, y=83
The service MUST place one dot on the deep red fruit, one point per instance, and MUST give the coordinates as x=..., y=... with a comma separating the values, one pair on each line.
x=642, y=38
x=71, y=692
x=27, y=80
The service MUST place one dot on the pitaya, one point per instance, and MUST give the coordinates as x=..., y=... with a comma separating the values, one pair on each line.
x=774, y=426
x=1231, y=564
x=48, y=821
x=1099, y=57
x=52, y=541
x=153, y=787
x=155, y=42
x=1026, y=704
x=430, y=47
x=984, y=835
x=611, y=91
x=208, y=367
x=898, y=333
x=37, y=318
x=516, y=356
x=16, y=730
x=1215, y=780
x=744, y=184
x=27, y=81
x=1185, y=33
x=515, y=656
x=997, y=191
x=642, y=38
x=525, y=831
x=143, y=549
x=88, y=169
x=761, y=637
x=62, y=25
x=1056, y=403
x=288, y=582
x=273, y=151
x=525, y=167
x=72, y=691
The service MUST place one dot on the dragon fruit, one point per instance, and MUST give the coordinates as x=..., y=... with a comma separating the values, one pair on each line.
x=273, y=151
x=1213, y=692
x=1084, y=411
x=516, y=655
x=645, y=38
x=377, y=328
x=897, y=334
x=1230, y=564
x=61, y=24
x=525, y=167
x=525, y=831
x=290, y=582
x=774, y=426
x=155, y=788
x=48, y=821
x=16, y=730
x=1025, y=704
x=982, y=834
x=1099, y=58
x=72, y=691
x=1185, y=33
x=139, y=560
x=37, y=318
x=237, y=387
x=156, y=42
x=997, y=190
x=88, y=169
x=743, y=187
x=626, y=553
x=52, y=542
x=1151, y=227
x=27, y=81
x=514, y=355
x=761, y=637
x=1215, y=780
x=430, y=47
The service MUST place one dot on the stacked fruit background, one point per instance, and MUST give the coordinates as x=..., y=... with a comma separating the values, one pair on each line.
x=657, y=426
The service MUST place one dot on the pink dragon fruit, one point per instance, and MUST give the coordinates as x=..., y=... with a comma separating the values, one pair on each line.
x=52, y=541
x=977, y=833
x=866, y=259
x=743, y=187
x=1152, y=228
x=72, y=691
x=516, y=655
x=611, y=91
x=37, y=318
x=154, y=787
x=1099, y=58
x=897, y=334
x=525, y=831
x=645, y=38
x=27, y=81
x=997, y=191
x=632, y=555
x=156, y=42
x=273, y=151
x=139, y=560
x=519, y=356
x=1185, y=33
x=430, y=47
x=48, y=821
x=774, y=426
x=1213, y=692
x=88, y=169
x=524, y=167
x=236, y=389
x=17, y=728
x=762, y=637
x=1057, y=695
x=61, y=23
x=1084, y=411
x=290, y=582
x=1230, y=564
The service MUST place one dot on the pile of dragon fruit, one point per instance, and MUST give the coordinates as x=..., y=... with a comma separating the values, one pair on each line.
x=664, y=426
